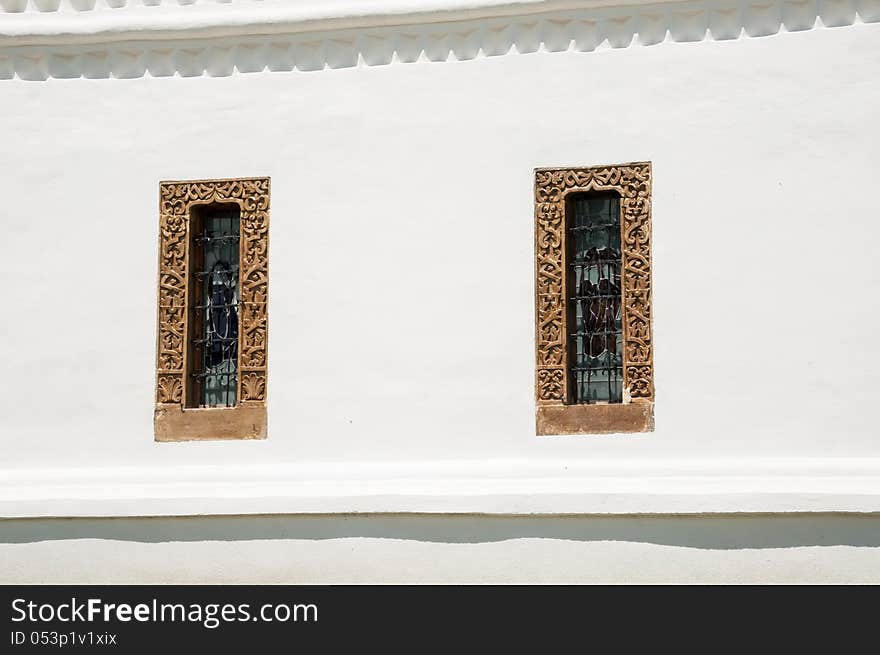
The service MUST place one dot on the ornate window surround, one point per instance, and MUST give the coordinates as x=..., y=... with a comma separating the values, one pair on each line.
x=173, y=420
x=553, y=413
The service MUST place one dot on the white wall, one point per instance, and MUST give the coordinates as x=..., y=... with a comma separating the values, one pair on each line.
x=401, y=248
x=451, y=549
x=401, y=255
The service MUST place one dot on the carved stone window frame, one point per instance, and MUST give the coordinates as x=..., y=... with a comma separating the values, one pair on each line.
x=173, y=420
x=554, y=415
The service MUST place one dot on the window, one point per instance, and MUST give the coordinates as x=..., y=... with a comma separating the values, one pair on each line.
x=213, y=330
x=213, y=325
x=593, y=295
x=594, y=354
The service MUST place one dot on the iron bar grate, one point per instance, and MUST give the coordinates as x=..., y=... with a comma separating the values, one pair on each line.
x=594, y=299
x=214, y=339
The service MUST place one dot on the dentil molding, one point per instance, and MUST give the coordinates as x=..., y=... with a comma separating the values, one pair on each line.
x=109, y=39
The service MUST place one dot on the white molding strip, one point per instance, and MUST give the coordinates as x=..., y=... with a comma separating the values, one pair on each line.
x=245, y=37
x=508, y=487
x=332, y=13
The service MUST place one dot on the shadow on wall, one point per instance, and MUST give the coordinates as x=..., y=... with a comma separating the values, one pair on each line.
x=582, y=30
x=716, y=532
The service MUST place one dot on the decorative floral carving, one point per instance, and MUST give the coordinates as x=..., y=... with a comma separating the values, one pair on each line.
x=176, y=200
x=253, y=347
x=253, y=386
x=633, y=183
x=640, y=381
x=169, y=389
x=551, y=382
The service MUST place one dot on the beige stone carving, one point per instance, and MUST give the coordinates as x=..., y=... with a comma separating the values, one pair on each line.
x=176, y=202
x=552, y=187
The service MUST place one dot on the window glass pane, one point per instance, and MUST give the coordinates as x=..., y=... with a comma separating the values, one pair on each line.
x=594, y=291
x=217, y=285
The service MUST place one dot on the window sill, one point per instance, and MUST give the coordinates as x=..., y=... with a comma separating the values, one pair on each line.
x=595, y=419
x=172, y=423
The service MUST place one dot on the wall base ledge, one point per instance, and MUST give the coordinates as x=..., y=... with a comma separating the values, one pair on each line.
x=508, y=487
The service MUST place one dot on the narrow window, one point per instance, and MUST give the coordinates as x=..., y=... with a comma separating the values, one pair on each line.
x=212, y=342
x=213, y=330
x=593, y=344
x=594, y=299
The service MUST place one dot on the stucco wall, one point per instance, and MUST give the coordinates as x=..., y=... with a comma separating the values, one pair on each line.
x=401, y=248
x=448, y=549
x=401, y=267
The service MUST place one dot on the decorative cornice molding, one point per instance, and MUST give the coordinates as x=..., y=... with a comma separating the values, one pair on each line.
x=253, y=36
x=352, y=12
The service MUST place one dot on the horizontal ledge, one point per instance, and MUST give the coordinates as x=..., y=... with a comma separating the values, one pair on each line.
x=267, y=18
x=229, y=49
x=270, y=18
x=306, y=8
x=509, y=487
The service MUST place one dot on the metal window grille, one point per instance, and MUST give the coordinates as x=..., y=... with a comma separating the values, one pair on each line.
x=214, y=334
x=594, y=299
